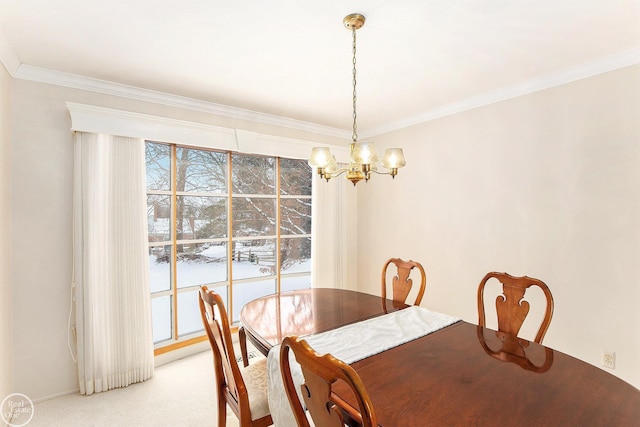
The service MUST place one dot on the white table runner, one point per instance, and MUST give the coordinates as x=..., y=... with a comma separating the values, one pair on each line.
x=351, y=343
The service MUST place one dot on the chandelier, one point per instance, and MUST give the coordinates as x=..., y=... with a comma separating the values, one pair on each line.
x=363, y=155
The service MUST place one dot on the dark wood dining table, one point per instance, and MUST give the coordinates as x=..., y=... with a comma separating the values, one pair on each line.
x=461, y=375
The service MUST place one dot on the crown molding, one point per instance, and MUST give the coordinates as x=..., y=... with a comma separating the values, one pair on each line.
x=43, y=75
x=29, y=72
x=568, y=75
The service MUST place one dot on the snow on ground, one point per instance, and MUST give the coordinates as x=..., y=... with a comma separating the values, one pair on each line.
x=193, y=273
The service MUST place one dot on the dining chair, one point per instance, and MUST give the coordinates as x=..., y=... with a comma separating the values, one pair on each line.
x=511, y=308
x=243, y=389
x=401, y=282
x=320, y=372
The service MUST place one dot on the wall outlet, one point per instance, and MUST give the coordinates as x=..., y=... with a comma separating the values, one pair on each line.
x=609, y=359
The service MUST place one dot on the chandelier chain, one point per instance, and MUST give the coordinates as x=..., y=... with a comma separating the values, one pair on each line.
x=354, y=137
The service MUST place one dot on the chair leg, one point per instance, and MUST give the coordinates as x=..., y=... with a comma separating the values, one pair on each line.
x=222, y=412
x=242, y=339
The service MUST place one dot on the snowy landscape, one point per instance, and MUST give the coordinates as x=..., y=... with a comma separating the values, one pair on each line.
x=198, y=219
x=252, y=279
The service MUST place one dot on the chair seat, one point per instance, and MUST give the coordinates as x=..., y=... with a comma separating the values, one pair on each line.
x=255, y=379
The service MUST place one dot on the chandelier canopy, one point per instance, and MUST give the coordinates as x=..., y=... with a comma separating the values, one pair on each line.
x=363, y=155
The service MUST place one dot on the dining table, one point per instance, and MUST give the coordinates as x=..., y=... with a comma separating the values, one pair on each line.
x=460, y=375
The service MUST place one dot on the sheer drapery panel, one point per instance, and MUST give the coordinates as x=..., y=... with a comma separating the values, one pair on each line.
x=330, y=233
x=111, y=263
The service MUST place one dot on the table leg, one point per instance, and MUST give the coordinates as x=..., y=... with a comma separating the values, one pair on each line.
x=242, y=339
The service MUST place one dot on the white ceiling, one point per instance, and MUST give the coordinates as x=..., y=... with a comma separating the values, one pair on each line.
x=292, y=58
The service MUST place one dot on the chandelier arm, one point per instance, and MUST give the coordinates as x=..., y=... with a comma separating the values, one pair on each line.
x=339, y=172
x=390, y=171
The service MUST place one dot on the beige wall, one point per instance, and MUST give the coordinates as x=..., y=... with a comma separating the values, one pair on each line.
x=546, y=185
x=42, y=206
x=6, y=335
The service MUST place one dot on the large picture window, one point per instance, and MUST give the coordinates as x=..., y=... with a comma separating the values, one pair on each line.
x=238, y=223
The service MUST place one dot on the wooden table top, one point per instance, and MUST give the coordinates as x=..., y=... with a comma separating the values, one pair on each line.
x=269, y=319
x=462, y=375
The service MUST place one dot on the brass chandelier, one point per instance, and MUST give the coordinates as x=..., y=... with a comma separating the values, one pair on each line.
x=363, y=155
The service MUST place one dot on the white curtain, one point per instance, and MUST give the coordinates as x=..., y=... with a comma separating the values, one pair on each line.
x=332, y=248
x=111, y=263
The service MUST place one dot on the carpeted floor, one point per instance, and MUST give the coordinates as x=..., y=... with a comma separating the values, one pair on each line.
x=181, y=393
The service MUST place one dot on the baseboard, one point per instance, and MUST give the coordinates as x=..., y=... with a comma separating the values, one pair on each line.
x=54, y=396
x=163, y=359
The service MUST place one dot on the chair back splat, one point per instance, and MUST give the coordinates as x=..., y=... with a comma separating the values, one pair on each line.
x=320, y=372
x=511, y=307
x=402, y=283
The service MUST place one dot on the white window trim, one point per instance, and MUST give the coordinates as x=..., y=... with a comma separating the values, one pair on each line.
x=89, y=118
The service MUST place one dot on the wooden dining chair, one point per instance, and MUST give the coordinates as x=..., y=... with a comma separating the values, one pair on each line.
x=320, y=372
x=243, y=389
x=401, y=282
x=511, y=307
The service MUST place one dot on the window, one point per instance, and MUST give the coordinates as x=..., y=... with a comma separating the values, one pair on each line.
x=238, y=223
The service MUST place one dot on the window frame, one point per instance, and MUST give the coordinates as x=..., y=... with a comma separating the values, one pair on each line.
x=178, y=340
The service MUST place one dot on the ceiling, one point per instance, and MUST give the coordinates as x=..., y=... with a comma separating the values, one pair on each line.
x=293, y=59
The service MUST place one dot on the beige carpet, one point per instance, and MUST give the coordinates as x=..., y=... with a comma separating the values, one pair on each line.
x=181, y=393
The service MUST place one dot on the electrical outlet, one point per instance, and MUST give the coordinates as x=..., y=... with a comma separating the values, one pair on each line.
x=609, y=359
